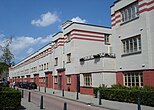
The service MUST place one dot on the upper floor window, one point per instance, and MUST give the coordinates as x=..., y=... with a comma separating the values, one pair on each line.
x=130, y=12
x=69, y=58
x=56, y=43
x=56, y=61
x=44, y=66
x=106, y=39
x=47, y=66
x=131, y=45
x=68, y=37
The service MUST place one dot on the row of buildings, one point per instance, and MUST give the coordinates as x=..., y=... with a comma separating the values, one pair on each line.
x=84, y=56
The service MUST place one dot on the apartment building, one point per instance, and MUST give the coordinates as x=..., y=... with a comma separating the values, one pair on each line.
x=35, y=68
x=83, y=46
x=84, y=56
x=132, y=30
x=75, y=60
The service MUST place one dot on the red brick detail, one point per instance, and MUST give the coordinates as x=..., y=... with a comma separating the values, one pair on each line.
x=50, y=79
x=61, y=76
x=85, y=31
x=42, y=81
x=56, y=86
x=79, y=38
x=18, y=78
x=119, y=78
x=31, y=79
x=86, y=90
x=28, y=78
x=148, y=78
x=22, y=79
x=73, y=85
x=36, y=76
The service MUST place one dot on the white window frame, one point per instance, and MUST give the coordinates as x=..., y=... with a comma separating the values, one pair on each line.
x=133, y=79
x=87, y=80
x=131, y=44
x=130, y=12
x=69, y=79
x=69, y=58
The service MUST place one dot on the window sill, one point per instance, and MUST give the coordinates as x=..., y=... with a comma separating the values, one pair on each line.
x=68, y=62
x=133, y=53
x=87, y=86
x=68, y=83
x=125, y=22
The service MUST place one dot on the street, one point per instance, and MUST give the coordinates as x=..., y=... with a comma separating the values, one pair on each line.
x=51, y=102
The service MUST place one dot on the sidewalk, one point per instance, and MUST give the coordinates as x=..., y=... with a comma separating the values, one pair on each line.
x=88, y=99
x=25, y=105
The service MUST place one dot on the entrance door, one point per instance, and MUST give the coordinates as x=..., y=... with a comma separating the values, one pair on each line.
x=59, y=82
x=78, y=83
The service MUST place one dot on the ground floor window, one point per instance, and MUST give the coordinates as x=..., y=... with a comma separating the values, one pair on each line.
x=69, y=79
x=46, y=81
x=87, y=80
x=133, y=79
x=55, y=79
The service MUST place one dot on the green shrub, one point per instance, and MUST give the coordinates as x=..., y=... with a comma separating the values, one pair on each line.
x=9, y=99
x=127, y=95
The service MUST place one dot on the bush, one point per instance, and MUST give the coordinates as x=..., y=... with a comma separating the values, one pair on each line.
x=127, y=95
x=9, y=98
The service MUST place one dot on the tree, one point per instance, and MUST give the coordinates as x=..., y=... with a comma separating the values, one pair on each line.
x=7, y=56
x=3, y=67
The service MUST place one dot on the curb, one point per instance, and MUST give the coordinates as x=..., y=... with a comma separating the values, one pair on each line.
x=91, y=104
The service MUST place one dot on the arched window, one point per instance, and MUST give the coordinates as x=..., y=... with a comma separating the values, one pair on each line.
x=126, y=14
x=123, y=16
x=133, y=11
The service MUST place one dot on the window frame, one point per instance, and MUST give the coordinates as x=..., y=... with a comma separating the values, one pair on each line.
x=56, y=61
x=87, y=80
x=129, y=13
x=131, y=45
x=133, y=79
x=69, y=79
x=69, y=58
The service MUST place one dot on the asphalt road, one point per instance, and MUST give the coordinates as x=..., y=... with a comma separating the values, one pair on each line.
x=51, y=102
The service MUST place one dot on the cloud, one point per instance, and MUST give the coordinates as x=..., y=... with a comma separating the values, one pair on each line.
x=22, y=46
x=78, y=19
x=45, y=19
x=30, y=50
x=47, y=38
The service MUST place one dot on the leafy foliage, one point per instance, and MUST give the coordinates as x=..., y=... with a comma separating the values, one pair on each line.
x=10, y=99
x=3, y=67
x=128, y=94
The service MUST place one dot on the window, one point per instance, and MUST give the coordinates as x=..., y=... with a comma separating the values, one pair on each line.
x=69, y=58
x=56, y=44
x=130, y=12
x=68, y=37
x=56, y=61
x=133, y=79
x=55, y=79
x=68, y=79
x=46, y=81
x=131, y=45
x=87, y=80
x=44, y=66
x=106, y=38
x=47, y=66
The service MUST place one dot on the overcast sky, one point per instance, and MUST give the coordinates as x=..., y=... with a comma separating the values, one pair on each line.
x=33, y=22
